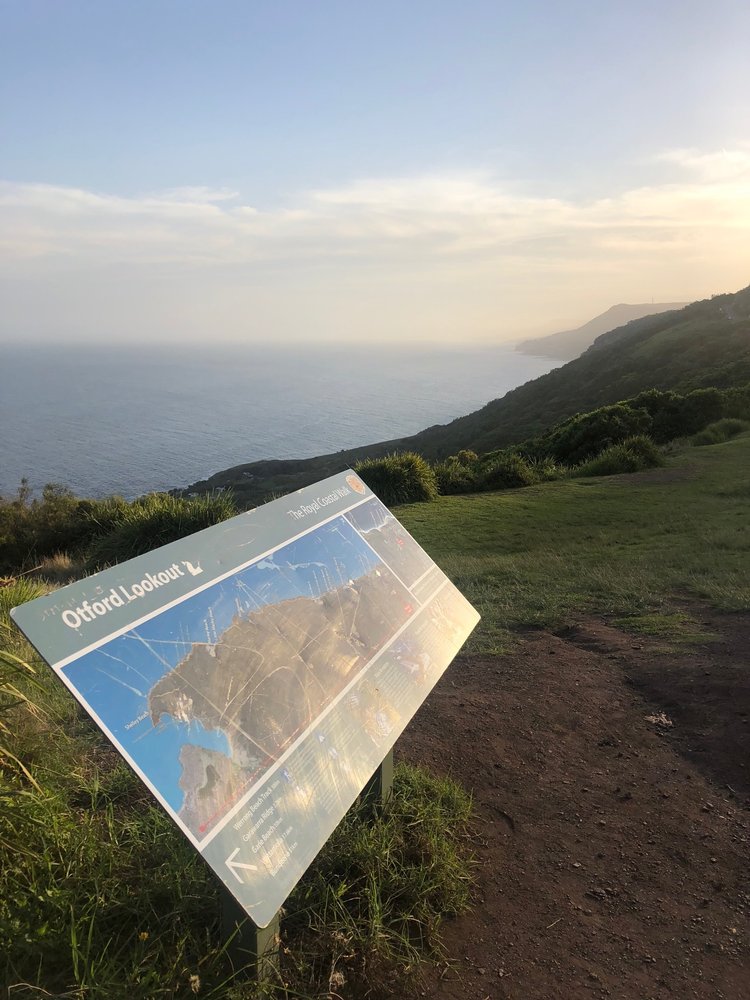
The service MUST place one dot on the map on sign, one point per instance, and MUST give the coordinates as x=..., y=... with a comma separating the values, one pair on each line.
x=255, y=674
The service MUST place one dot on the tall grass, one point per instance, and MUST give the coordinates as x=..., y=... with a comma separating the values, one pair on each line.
x=631, y=455
x=33, y=532
x=454, y=477
x=721, y=430
x=506, y=470
x=155, y=520
x=102, y=897
x=399, y=478
x=375, y=897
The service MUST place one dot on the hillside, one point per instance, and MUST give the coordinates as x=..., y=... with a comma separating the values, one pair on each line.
x=704, y=344
x=598, y=714
x=569, y=344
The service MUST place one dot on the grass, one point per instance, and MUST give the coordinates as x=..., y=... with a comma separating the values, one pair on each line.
x=616, y=546
x=630, y=455
x=154, y=520
x=102, y=897
x=399, y=478
x=721, y=430
x=388, y=883
x=680, y=628
x=56, y=535
x=60, y=569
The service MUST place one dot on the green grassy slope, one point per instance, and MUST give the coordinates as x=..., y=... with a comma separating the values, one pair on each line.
x=99, y=894
x=625, y=545
x=705, y=344
x=570, y=343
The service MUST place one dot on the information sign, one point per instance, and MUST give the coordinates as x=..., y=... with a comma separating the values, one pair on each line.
x=256, y=673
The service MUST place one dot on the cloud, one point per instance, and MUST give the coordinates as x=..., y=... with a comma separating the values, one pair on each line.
x=199, y=195
x=718, y=165
x=462, y=245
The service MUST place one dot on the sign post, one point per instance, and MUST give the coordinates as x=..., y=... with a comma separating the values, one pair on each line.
x=257, y=674
x=250, y=946
x=379, y=786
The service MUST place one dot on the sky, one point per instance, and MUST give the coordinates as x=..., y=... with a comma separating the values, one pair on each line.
x=441, y=172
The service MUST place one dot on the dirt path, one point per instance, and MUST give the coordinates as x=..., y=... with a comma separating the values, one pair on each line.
x=614, y=848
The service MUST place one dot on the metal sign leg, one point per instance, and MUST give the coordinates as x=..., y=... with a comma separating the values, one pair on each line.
x=251, y=946
x=378, y=788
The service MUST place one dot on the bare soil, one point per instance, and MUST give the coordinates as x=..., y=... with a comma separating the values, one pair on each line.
x=612, y=847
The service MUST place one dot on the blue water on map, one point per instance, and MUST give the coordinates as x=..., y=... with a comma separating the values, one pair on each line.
x=115, y=679
x=107, y=420
x=169, y=737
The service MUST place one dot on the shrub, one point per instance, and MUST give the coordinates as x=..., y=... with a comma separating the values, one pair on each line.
x=631, y=455
x=155, y=520
x=665, y=410
x=15, y=592
x=399, y=478
x=721, y=430
x=31, y=529
x=674, y=415
x=738, y=402
x=454, y=477
x=546, y=469
x=588, y=434
x=701, y=408
x=103, y=516
x=644, y=448
x=34, y=530
x=61, y=568
x=506, y=471
x=663, y=415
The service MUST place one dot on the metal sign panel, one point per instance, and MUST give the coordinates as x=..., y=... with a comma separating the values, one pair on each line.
x=256, y=673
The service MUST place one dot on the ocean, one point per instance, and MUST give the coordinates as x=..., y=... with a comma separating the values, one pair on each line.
x=104, y=420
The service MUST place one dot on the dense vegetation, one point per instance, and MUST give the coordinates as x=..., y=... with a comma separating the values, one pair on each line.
x=401, y=478
x=101, y=897
x=706, y=344
x=642, y=549
x=663, y=416
x=570, y=343
x=94, y=533
x=612, y=439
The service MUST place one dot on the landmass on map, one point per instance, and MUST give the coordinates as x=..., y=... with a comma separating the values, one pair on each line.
x=266, y=678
